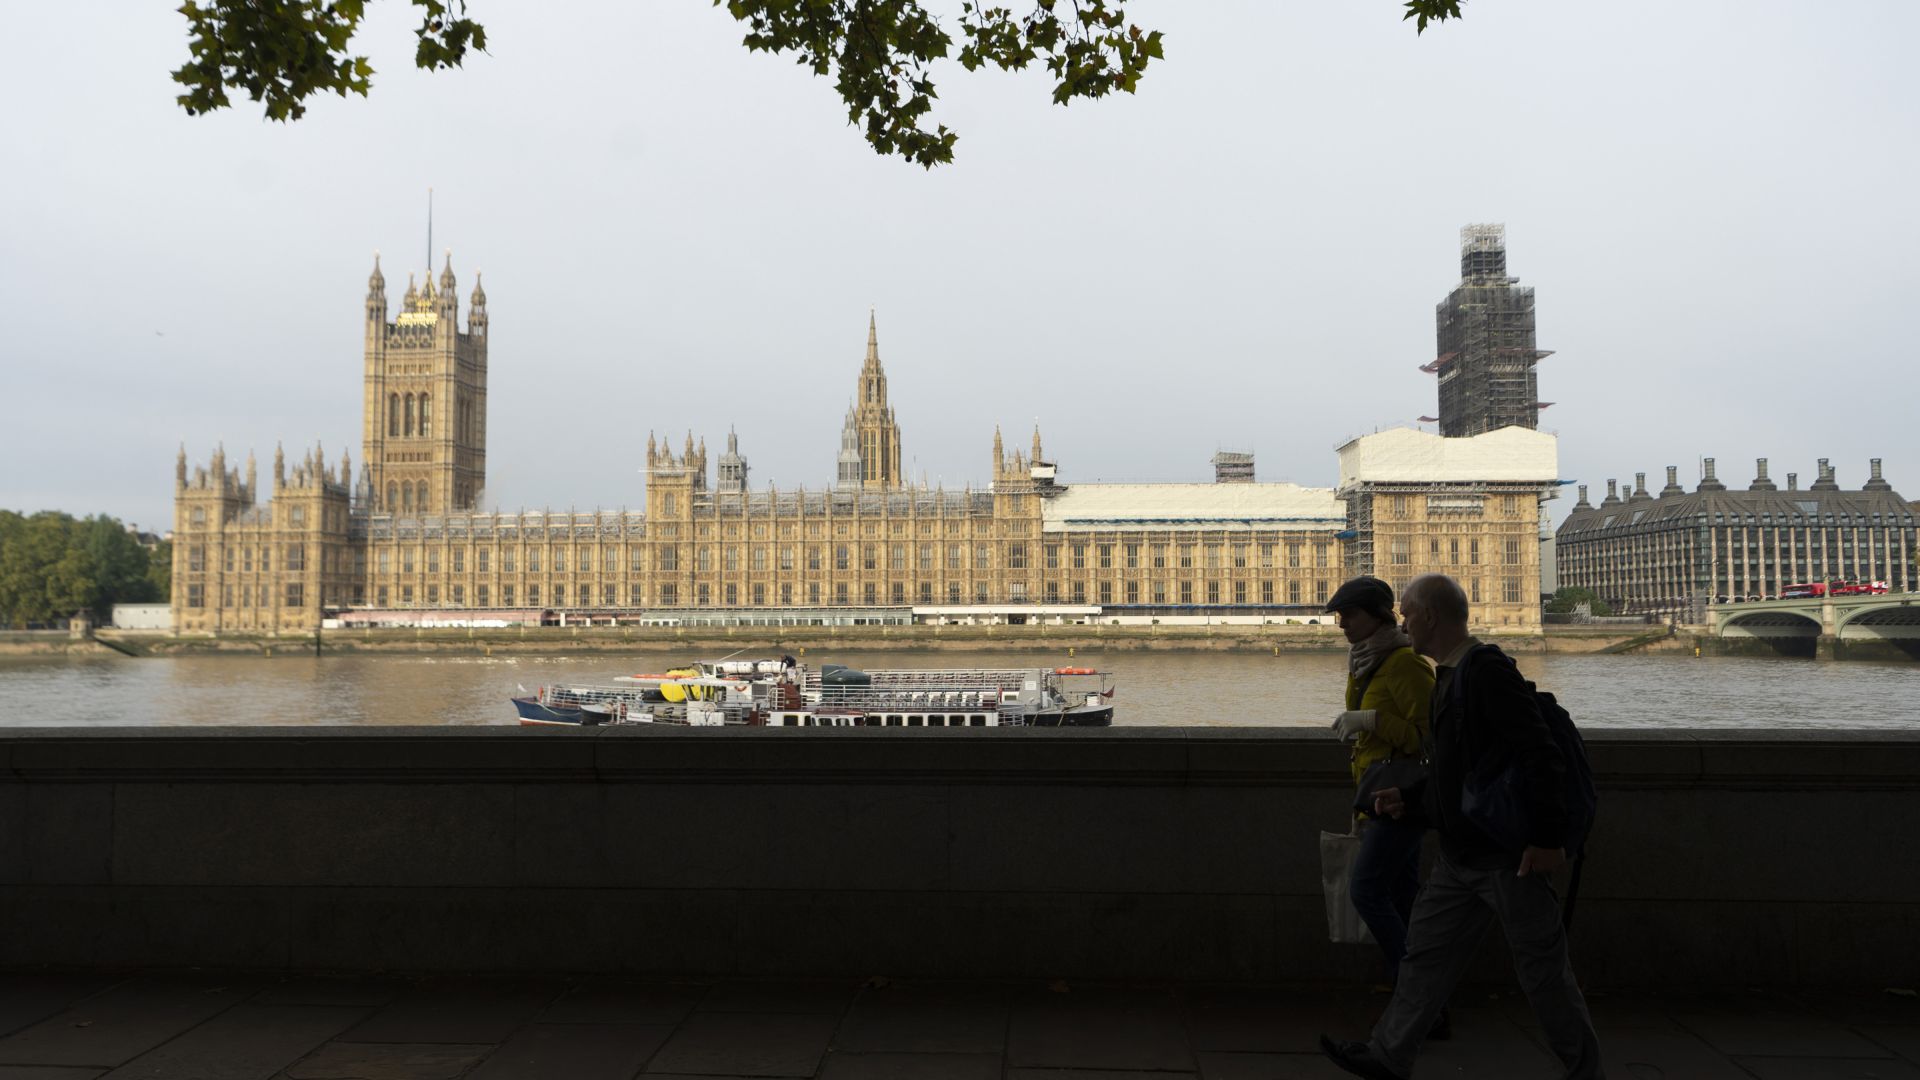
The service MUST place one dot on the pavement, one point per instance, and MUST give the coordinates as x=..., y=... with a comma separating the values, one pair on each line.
x=238, y=1026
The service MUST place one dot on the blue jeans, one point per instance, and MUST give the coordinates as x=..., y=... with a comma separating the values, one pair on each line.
x=1386, y=875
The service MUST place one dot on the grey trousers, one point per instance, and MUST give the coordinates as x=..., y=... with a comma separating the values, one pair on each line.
x=1449, y=920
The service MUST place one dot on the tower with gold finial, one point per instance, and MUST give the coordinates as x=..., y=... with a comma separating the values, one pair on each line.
x=424, y=430
x=876, y=432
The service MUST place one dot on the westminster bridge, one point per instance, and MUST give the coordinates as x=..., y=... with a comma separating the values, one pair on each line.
x=1886, y=623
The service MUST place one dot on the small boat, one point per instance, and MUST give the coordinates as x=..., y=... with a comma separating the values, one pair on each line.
x=785, y=693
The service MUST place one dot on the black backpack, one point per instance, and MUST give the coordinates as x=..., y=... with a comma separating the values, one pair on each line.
x=1499, y=806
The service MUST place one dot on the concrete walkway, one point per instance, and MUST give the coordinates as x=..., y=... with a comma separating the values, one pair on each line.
x=241, y=1027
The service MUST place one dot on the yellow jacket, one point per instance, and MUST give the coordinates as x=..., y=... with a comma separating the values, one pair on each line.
x=1399, y=693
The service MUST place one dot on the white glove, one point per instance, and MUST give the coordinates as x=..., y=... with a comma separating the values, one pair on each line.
x=1350, y=724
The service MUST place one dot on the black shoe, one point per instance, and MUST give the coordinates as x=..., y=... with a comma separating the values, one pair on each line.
x=1356, y=1059
x=1442, y=1028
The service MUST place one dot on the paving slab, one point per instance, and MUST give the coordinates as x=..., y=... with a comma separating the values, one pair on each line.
x=46, y=1072
x=1280, y=1022
x=457, y=1011
x=331, y=990
x=574, y=1051
x=891, y=1066
x=1748, y=1029
x=1244, y=1066
x=28, y=999
x=1902, y=1039
x=927, y=1020
x=1099, y=1029
x=625, y=1001
x=1652, y=1047
x=747, y=1044
x=119, y=1024
x=1099, y=1075
x=387, y=1061
x=817, y=996
x=1814, y=1068
x=244, y=1043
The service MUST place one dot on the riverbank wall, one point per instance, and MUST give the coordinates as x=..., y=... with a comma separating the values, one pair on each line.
x=1745, y=859
x=1051, y=640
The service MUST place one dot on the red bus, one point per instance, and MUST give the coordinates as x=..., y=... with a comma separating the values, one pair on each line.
x=1833, y=588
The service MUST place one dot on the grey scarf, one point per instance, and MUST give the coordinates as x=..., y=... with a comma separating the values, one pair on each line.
x=1367, y=655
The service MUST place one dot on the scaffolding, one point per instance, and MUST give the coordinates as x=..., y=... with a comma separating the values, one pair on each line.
x=1233, y=467
x=1486, y=351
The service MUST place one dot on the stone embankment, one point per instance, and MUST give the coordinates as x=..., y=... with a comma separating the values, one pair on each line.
x=546, y=640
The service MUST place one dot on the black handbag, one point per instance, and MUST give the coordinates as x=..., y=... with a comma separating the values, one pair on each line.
x=1408, y=774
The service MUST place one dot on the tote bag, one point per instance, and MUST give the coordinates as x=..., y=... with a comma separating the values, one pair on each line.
x=1337, y=852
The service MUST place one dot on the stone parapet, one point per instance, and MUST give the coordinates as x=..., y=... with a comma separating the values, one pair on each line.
x=1182, y=853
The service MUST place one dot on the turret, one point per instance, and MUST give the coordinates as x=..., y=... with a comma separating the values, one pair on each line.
x=377, y=294
x=279, y=467
x=180, y=469
x=477, y=308
x=253, y=477
x=1037, y=455
x=999, y=453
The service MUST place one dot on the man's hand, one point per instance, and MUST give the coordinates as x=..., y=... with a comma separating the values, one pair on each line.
x=1389, y=802
x=1539, y=860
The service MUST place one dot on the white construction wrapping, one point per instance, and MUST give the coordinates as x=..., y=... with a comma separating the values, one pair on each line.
x=1405, y=455
x=1193, y=507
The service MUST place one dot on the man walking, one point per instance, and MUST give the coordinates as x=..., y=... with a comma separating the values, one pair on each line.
x=1484, y=720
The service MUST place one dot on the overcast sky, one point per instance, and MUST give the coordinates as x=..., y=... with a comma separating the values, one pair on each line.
x=1715, y=200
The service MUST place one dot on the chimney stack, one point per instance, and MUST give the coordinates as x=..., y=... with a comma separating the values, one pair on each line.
x=1710, y=482
x=1760, y=481
x=1826, y=482
x=1613, y=495
x=1640, y=486
x=1673, y=482
x=1793, y=481
x=1875, y=481
x=1582, y=503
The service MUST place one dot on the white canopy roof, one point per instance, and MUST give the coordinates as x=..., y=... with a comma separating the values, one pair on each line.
x=1163, y=507
x=1405, y=455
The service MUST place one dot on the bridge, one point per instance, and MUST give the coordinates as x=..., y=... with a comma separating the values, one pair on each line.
x=1891, y=619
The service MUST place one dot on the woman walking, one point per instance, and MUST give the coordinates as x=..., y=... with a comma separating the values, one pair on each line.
x=1389, y=691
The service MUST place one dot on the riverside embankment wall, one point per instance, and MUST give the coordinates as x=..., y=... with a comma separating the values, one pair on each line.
x=958, y=639
x=1161, y=853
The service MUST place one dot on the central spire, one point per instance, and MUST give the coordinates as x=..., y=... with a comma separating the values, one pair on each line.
x=875, y=435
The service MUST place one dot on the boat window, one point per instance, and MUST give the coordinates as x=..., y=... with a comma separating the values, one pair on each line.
x=915, y=721
x=979, y=721
x=893, y=721
x=936, y=721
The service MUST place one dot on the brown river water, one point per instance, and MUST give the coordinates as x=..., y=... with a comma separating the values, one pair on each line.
x=1170, y=688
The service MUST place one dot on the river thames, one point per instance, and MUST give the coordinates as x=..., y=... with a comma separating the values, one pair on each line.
x=1172, y=688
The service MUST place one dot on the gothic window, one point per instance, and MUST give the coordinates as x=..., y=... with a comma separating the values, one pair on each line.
x=421, y=498
x=393, y=416
x=393, y=497
x=459, y=560
x=433, y=594
x=296, y=556
x=480, y=595
x=406, y=498
x=559, y=595
x=759, y=594
x=506, y=595
x=459, y=596
x=196, y=559
x=533, y=594
x=560, y=560
x=407, y=425
x=426, y=415
x=296, y=594
x=1240, y=591
x=196, y=596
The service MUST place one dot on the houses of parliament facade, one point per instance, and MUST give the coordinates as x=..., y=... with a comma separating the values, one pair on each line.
x=405, y=539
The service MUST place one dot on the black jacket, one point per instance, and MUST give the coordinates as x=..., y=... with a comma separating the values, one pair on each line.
x=1493, y=723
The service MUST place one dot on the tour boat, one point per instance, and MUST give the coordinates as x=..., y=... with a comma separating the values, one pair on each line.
x=784, y=693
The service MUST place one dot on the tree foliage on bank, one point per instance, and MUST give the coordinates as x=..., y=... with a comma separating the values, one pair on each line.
x=1565, y=599
x=880, y=53
x=53, y=565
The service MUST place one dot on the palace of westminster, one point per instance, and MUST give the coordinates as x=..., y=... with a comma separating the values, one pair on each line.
x=404, y=540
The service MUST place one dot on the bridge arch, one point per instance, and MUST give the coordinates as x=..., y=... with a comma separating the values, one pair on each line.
x=1896, y=621
x=1770, y=624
